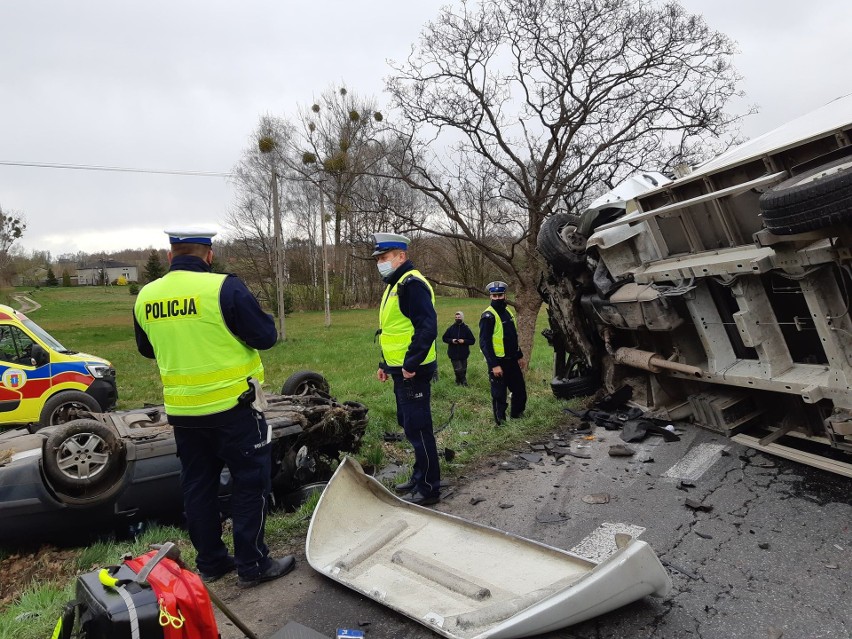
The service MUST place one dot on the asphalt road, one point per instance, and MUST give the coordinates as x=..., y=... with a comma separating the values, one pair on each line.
x=771, y=559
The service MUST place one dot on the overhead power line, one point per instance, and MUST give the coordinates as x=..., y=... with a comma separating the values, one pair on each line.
x=121, y=169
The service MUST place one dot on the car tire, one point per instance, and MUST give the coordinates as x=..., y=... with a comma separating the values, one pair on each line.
x=66, y=406
x=304, y=382
x=551, y=243
x=576, y=387
x=83, y=457
x=815, y=199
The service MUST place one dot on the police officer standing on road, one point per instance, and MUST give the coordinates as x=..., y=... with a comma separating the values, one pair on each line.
x=203, y=329
x=498, y=340
x=459, y=339
x=408, y=326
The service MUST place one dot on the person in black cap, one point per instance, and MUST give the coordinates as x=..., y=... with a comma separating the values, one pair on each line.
x=408, y=326
x=204, y=330
x=498, y=340
x=459, y=338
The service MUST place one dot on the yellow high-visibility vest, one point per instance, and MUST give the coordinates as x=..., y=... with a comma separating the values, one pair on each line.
x=202, y=364
x=396, y=329
x=497, y=336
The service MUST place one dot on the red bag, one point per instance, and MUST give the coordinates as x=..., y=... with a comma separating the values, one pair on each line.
x=185, y=608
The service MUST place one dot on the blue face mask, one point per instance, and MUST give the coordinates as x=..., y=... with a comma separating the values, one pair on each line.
x=386, y=269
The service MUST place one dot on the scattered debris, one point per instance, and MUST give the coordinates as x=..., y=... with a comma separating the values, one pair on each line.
x=533, y=458
x=684, y=485
x=697, y=505
x=477, y=499
x=514, y=464
x=449, y=454
x=504, y=506
x=648, y=460
x=838, y=547
x=831, y=566
x=538, y=447
x=578, y=455
x=702, y=535
x=763, y=545
x=620, y=450
x=596, y=498
x=774, y=633
x=393, y=437
x=551, y=518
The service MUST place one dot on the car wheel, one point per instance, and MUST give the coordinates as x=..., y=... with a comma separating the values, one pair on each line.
x=84, y=457
x=576, y=387
x=66, y=406
x=560, y=243
x=304, y=383
x=815, y=199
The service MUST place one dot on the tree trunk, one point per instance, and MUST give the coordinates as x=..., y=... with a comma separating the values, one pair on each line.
x=527, y=305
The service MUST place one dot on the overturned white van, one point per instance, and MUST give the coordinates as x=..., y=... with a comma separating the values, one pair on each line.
x=722, y=296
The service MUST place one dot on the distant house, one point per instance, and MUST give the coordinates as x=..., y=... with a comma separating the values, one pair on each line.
x=90, y=274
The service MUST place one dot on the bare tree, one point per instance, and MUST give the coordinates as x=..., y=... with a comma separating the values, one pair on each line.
x=556, y=98
x=12, y=227
x=251, y=220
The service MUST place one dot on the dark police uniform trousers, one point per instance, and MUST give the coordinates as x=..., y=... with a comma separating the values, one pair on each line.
x=414, y=414
x=511, y=380
x=240, y=443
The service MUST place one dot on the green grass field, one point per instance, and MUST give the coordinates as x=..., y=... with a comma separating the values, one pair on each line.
x=99, y=321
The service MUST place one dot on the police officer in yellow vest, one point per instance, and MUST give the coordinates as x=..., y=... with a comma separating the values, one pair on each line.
x=408, y=326
x=204, y=330
x=498, y=340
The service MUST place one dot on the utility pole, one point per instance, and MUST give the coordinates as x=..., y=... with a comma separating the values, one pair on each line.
x=327, y=304
x=267, y=145
x=279, y=266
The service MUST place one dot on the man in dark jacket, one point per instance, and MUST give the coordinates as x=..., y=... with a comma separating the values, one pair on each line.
x=459, y=338
x=204, y=330
x=498, y=340
x=408, y=326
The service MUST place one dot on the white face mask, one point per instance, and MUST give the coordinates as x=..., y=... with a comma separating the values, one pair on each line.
x=385, y=268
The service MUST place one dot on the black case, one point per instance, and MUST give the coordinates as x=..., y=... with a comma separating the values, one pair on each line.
x=103, y=612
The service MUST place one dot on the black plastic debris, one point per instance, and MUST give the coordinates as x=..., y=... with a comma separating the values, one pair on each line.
x=477, y=499
x=620, y=450
x=698, y=506
x=551, y=518
x=504, y=506
x=533, y=458
x=393, y=437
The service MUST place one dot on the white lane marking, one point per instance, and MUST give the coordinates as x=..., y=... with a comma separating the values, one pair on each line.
x=696, y=462
x=600, y=544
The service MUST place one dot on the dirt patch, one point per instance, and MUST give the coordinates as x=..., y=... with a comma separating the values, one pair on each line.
x=47, y=564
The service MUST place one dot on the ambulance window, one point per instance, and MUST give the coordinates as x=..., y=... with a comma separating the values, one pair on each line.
x=15, y=346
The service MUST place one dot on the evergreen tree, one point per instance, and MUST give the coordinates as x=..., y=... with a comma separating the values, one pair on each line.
x=66, y=278
x=153, y=267
x=51, y=278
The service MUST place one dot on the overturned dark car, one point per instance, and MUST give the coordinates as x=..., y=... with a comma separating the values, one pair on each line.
x=112, y=471
x=722, y=296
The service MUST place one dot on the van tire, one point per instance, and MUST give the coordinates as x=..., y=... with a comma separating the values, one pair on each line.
x=552, y=246
x=66, y=406
x=816, y=199
x=83, y=457
x=304, y=383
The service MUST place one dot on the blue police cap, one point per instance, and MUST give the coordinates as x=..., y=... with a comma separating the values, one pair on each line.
x=384, y=242
x=496, y=287
x=190, y=235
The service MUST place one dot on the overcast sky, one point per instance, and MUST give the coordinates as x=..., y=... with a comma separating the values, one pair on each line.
x=179, y=85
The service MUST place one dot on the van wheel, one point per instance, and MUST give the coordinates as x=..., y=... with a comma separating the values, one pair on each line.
x=560, y=243
x=304, y=382
x=83, y=457
x=815, y=199
x=66, y=406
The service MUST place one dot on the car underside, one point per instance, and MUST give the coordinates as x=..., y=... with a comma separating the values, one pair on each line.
x=109, y=471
